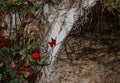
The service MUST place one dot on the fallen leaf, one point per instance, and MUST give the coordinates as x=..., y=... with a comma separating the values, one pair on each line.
x=26, y=74
x=1, y=64
x=12, y=64
x=52, y=43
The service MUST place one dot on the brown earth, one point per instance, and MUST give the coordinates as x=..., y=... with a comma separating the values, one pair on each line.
x=90, y=53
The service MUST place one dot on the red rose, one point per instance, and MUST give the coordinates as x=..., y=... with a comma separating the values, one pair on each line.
x=36, y=55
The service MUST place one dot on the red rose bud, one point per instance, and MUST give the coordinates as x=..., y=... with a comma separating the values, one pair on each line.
x=36, y=55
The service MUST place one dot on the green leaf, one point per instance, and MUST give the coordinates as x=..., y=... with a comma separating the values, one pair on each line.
x=117, y=2
x=21, y=79
x=37, y=7
x=14, y=80
x=4, y=51
x=43, y=56
x=23, y=51
x=48, y=1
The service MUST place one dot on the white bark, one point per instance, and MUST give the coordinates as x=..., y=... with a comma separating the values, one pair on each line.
x=61, y=22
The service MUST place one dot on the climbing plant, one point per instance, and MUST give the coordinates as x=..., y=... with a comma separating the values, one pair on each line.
x=20, y=40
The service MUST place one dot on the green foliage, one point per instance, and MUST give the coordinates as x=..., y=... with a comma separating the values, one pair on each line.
x=117, y=3
x=4, y=51
x=16, y=50
x=16, y=5
x=48, y=1
x=112, y=6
